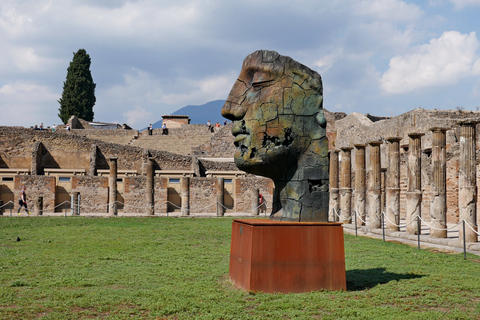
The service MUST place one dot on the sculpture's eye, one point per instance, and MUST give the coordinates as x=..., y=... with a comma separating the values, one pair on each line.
x=261, y=80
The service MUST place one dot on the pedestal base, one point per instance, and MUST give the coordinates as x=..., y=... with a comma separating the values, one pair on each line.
x=276, y=256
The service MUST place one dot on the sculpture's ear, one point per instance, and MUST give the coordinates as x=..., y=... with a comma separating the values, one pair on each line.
x=321, y=118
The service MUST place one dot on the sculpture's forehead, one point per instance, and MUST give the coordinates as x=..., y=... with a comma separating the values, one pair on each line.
x=274, y=69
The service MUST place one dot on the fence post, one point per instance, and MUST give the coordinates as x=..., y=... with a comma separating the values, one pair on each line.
x=418, y=231
x=464, y=242
x=355, y=223
x=383, y=226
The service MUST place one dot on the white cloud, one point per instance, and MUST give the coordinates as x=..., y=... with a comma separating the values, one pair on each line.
x=203, y=90
x=443, y=61
x=461, y=4
x=327, y=61
x=23, y=103
x=138, y=117
x=24, y=60
x=389, y=10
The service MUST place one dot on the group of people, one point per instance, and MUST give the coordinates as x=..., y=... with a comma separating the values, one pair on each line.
x=54, y=127
x=164, y=129
x=211, y=127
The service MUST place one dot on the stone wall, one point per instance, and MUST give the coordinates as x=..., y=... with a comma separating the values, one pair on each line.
x=135, y=196
x=203, y=195
x=36, y=186
x=244, y=193
x=93, y=193
x=71, y=151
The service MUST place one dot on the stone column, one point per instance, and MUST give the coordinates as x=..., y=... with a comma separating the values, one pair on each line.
x=150, y=190
x=360, y=189
x=220, y=198
x=414, y=187
x=185, y=196
x=438, y=207
x=112, y=184
x=38, y=206
x=346, y=186
x=334, y=191
x=255, y=202
x=76, y=210
x=467, y=194
x=383, y=179
x=393, y=184
x=374, y=186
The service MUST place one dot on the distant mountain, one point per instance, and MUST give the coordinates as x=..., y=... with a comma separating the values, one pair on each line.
x=199, y=114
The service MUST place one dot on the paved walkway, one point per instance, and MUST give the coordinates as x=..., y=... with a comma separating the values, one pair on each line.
x=452, y=243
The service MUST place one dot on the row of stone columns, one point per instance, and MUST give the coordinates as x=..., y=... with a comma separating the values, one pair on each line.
x=185, y=192
x=466, y=183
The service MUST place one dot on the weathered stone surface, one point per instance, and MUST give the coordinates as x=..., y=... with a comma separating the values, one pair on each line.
x=334, y=204
x=438, y=207
x=374, y=186
x=346, y=186
x=393, y=184
x=360, y=184
x=280, y=133
x=467, y=188
x=414, y=193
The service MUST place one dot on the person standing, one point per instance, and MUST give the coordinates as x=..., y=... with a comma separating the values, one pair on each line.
x=54, y=127
x=22, y=202
x=164, y=129
x=262, y=205
x=150, y=129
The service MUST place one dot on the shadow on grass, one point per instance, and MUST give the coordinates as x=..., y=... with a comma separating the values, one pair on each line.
x=361, y=279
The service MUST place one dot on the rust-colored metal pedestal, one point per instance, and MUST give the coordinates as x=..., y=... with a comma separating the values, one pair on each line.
x=276, y=256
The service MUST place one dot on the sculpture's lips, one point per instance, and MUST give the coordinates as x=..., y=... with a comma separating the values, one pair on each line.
x=239, y=138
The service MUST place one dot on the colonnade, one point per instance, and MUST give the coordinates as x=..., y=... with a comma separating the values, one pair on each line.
x=341, y=196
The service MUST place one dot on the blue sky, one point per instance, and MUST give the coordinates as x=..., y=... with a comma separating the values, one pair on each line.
x=150, y=57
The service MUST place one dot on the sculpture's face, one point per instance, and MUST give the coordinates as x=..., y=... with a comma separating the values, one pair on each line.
x=272, y=115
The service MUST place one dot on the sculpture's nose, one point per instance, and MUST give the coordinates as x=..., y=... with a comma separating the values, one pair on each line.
x=233, y=109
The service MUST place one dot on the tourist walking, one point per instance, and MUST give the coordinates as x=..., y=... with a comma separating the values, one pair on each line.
x=22, y=202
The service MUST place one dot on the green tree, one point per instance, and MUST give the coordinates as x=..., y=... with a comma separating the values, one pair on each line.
x=78, y=97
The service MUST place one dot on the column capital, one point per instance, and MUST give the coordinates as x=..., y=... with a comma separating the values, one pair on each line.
x=414, y=135
x=468, y=122
x=334, y=151
x=346, y=149
x=375, y=143
x=394, y=139
x=439, y=129
x=113, y=158
x=360, y=146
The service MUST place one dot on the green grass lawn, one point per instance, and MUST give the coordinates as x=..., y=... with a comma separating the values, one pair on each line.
x=171, y=268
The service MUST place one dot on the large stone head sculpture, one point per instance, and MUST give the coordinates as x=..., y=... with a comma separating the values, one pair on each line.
x=279, y=129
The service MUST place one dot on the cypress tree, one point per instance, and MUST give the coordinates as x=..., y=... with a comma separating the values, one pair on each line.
x=78, y=97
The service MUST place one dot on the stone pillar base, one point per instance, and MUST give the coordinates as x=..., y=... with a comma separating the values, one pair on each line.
x=438, y=233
